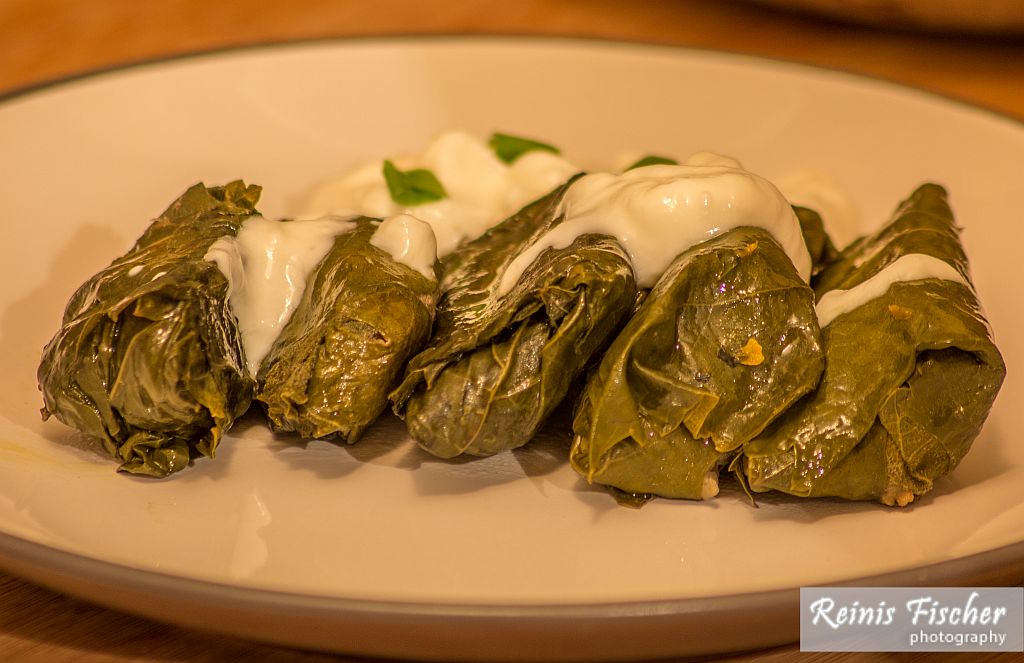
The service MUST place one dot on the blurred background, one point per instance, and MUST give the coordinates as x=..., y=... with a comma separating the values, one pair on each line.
x=968, y=49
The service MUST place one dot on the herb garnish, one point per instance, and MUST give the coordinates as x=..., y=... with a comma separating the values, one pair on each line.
x=412, y=187
x=509, y=148
x=653, y=160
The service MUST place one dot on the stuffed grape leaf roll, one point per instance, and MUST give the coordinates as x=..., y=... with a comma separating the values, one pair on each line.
x=498, y=363
x=362, y=314
x=148, y=358
x=911, y=368
x=725, y=341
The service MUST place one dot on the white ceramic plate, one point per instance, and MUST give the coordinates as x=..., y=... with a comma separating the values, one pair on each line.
x=379, y=548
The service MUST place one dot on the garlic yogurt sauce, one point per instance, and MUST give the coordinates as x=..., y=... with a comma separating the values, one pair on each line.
x=409, y=241
x=267, y=264
x=820, y=192
x=481, y=189
x=908, y=267
x=658, y=212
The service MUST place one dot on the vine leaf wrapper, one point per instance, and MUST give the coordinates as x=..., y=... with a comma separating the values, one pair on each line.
x=498, y=364
x=148, y=359
x=910, y=375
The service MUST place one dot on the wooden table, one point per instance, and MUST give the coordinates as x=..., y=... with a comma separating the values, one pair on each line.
x=48, y=39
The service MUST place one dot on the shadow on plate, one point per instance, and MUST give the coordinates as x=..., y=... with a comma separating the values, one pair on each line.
x=987, y=463
x=387, y=444
x=328, y=458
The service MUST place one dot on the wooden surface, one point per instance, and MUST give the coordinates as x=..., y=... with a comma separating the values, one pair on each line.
x=47, y=39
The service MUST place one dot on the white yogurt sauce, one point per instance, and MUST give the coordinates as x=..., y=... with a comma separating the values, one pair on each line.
x=481, y=189
x=267, y=265
x=408, y=241
x=910, y=267
x=820, y=192
x=709, y=488
x=657, y=212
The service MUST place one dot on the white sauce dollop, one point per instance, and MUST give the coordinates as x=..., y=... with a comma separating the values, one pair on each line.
x=820, y=192
x=482, y=190
x=267, y=265
x=709, y=488
x=658, y=212
x=910, y=267
x=408, y=241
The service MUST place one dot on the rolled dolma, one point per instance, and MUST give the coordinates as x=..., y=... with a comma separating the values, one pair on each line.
x=148, y=358
x=725, y=341
x=362, y=314
x=499, y=362
x=911, y=368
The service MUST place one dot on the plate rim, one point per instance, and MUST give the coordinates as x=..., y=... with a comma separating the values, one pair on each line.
x=972, y=567
x=100, y=71
x=428, y=631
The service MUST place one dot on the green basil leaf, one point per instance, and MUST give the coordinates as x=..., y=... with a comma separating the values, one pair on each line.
x=412, y=187
x=654, y=160
x=509, y=148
